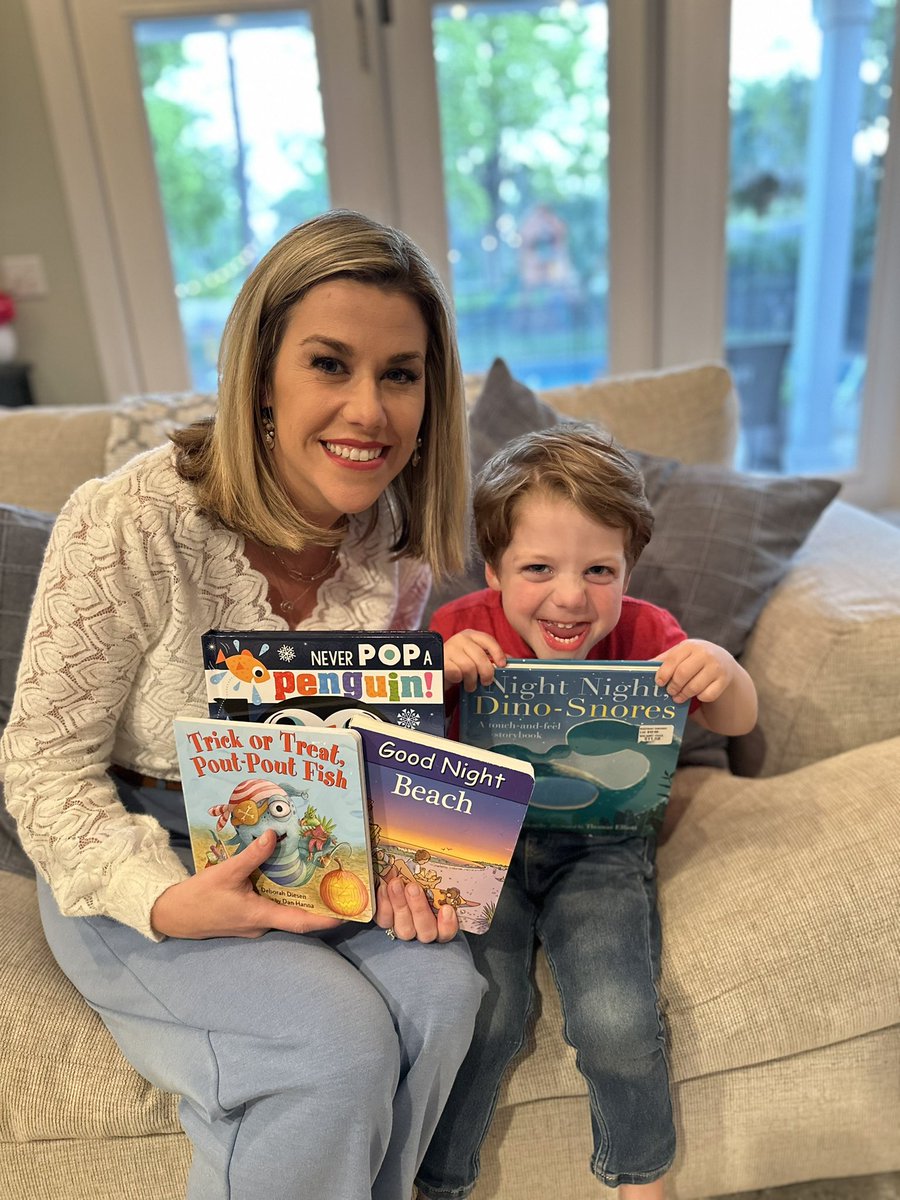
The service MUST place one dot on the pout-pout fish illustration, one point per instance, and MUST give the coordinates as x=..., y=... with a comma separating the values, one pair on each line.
x=301, y=845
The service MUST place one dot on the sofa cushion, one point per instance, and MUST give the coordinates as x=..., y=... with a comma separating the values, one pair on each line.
x=835, y=617
x=778, y=900
x=49, y=452
x=689, y=413
x=23, y=539
x=67, y=1075
x=721, y=542
x=144, y=422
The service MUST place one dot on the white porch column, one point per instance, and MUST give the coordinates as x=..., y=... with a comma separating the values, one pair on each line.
x=826, y=249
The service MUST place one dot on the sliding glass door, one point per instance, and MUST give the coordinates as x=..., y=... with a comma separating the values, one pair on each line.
x=234, y=112
x=605, y=185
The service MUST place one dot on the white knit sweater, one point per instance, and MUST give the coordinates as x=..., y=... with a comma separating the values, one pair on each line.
x=133, y=577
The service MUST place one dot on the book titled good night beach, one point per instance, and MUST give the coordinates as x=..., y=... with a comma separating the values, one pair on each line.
x=444, y=816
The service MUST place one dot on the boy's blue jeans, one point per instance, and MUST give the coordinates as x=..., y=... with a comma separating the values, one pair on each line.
x=592, y=903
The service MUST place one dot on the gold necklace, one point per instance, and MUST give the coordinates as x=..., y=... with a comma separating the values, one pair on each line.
x=295, y=574
x=287, y=606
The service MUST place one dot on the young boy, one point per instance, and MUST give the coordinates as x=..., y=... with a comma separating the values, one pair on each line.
x=561, y=518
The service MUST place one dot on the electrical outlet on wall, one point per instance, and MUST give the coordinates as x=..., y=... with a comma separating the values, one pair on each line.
x=23, y=276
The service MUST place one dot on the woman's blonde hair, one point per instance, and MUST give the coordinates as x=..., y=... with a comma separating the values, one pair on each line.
x=227, y=459
x=575, y=462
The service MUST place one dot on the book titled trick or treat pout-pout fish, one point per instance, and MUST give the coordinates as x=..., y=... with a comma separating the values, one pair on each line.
x=242, y=778
x=319, y=678
x=603, y=738
x=444, y=816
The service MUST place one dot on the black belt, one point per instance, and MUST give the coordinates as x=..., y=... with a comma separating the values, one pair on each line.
x=138, y=780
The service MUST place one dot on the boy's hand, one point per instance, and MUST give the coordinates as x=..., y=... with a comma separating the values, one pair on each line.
x=404, y=908
x=709, y=672
x=695, y=668
x=470, y=658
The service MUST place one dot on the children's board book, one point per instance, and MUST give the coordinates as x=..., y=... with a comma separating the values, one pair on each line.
x=445, y=816
x=603, y=739
x=241, y=778
x=304, y=678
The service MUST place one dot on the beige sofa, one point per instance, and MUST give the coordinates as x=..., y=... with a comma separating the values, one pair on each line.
x=779, y=895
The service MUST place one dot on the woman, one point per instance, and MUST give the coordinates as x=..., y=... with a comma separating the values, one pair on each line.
x=312, y=1059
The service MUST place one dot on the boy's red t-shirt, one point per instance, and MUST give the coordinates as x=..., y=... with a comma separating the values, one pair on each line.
x=642, y=632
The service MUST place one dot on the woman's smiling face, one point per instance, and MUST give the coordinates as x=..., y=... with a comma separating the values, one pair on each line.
x=347, y=396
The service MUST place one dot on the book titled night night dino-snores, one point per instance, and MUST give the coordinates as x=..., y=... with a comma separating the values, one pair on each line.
x=444, y=816
x=603, y=738
x=317, y=677
x=242, y=778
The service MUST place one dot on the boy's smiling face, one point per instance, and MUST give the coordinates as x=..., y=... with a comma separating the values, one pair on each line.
x=562, y=577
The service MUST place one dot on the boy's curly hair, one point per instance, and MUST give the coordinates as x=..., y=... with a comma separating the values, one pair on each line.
x=576, y=462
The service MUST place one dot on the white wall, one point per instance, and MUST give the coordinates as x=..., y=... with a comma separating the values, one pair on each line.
x=54, y=333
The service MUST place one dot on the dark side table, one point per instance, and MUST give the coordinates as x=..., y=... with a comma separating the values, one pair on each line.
x=15, y=390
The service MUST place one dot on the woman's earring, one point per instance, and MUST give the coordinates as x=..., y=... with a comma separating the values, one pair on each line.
x=416, y=456
x=268, y=427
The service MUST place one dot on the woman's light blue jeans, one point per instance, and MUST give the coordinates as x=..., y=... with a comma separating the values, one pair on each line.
x=592, y=903
x=308, y=1066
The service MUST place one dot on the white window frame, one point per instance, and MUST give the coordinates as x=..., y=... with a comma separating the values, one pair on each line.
x=875, y=484
x=89, y=77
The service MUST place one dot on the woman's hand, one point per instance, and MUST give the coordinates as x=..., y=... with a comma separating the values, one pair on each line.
x=405, y=909
x=221, y=901
x=470, y=658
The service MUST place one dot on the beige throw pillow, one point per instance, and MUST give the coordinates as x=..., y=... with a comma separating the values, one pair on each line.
x=689, y=413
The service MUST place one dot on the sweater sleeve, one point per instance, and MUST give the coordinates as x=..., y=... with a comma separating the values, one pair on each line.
x=98, y=599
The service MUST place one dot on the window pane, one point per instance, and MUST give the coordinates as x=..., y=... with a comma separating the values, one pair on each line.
x=235, y=119
x=810, y=92
x=523, y=102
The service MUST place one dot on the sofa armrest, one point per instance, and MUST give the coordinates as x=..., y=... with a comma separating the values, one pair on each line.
x=823, y=651
x=779, y=907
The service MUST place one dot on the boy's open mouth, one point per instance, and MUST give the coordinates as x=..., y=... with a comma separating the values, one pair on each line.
x=560, y=635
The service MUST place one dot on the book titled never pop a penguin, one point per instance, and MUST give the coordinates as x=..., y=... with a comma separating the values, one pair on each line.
x=307, y=677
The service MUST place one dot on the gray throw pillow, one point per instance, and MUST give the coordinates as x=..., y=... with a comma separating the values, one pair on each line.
x=721, y=542
x=505, y=408
x=23, y=539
